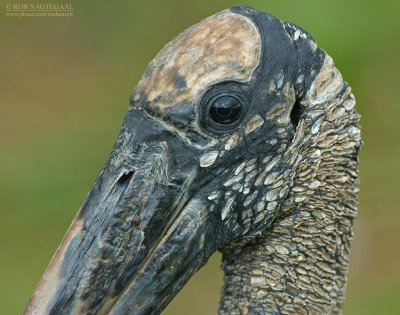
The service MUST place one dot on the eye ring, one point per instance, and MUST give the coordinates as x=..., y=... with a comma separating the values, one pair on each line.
x=213, y=126
x=225, y=109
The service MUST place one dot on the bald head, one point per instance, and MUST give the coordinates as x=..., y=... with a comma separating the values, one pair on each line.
x=223, y=47
x=240, y=48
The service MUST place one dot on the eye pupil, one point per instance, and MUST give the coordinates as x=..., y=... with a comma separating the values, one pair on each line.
x=225, y=110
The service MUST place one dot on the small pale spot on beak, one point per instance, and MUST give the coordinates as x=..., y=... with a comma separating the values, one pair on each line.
x=201, y=242
x=208, y=159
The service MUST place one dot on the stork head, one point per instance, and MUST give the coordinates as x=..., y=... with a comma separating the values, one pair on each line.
x=205, y=158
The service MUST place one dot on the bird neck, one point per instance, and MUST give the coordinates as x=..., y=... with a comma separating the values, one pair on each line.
x=299, y=265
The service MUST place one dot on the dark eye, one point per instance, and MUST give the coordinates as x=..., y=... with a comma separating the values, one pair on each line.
x=225, y=110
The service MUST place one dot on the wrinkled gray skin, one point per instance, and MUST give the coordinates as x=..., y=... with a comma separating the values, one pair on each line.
x=178, y=186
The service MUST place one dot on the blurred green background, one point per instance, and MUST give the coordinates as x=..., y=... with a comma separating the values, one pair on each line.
x=64, y=90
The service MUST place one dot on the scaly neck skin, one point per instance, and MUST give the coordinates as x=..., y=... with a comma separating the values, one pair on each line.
x=299, y=264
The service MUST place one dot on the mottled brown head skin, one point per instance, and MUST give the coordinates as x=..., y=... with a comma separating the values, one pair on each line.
x=224, y=47
x=274, y=188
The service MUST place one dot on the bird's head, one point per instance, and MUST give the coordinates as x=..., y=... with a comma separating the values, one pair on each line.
x=206, y=157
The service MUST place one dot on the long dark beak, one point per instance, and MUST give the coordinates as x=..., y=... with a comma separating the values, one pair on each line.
x=139, y=235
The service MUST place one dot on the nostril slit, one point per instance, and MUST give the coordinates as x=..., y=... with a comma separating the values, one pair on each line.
x=125, y=177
